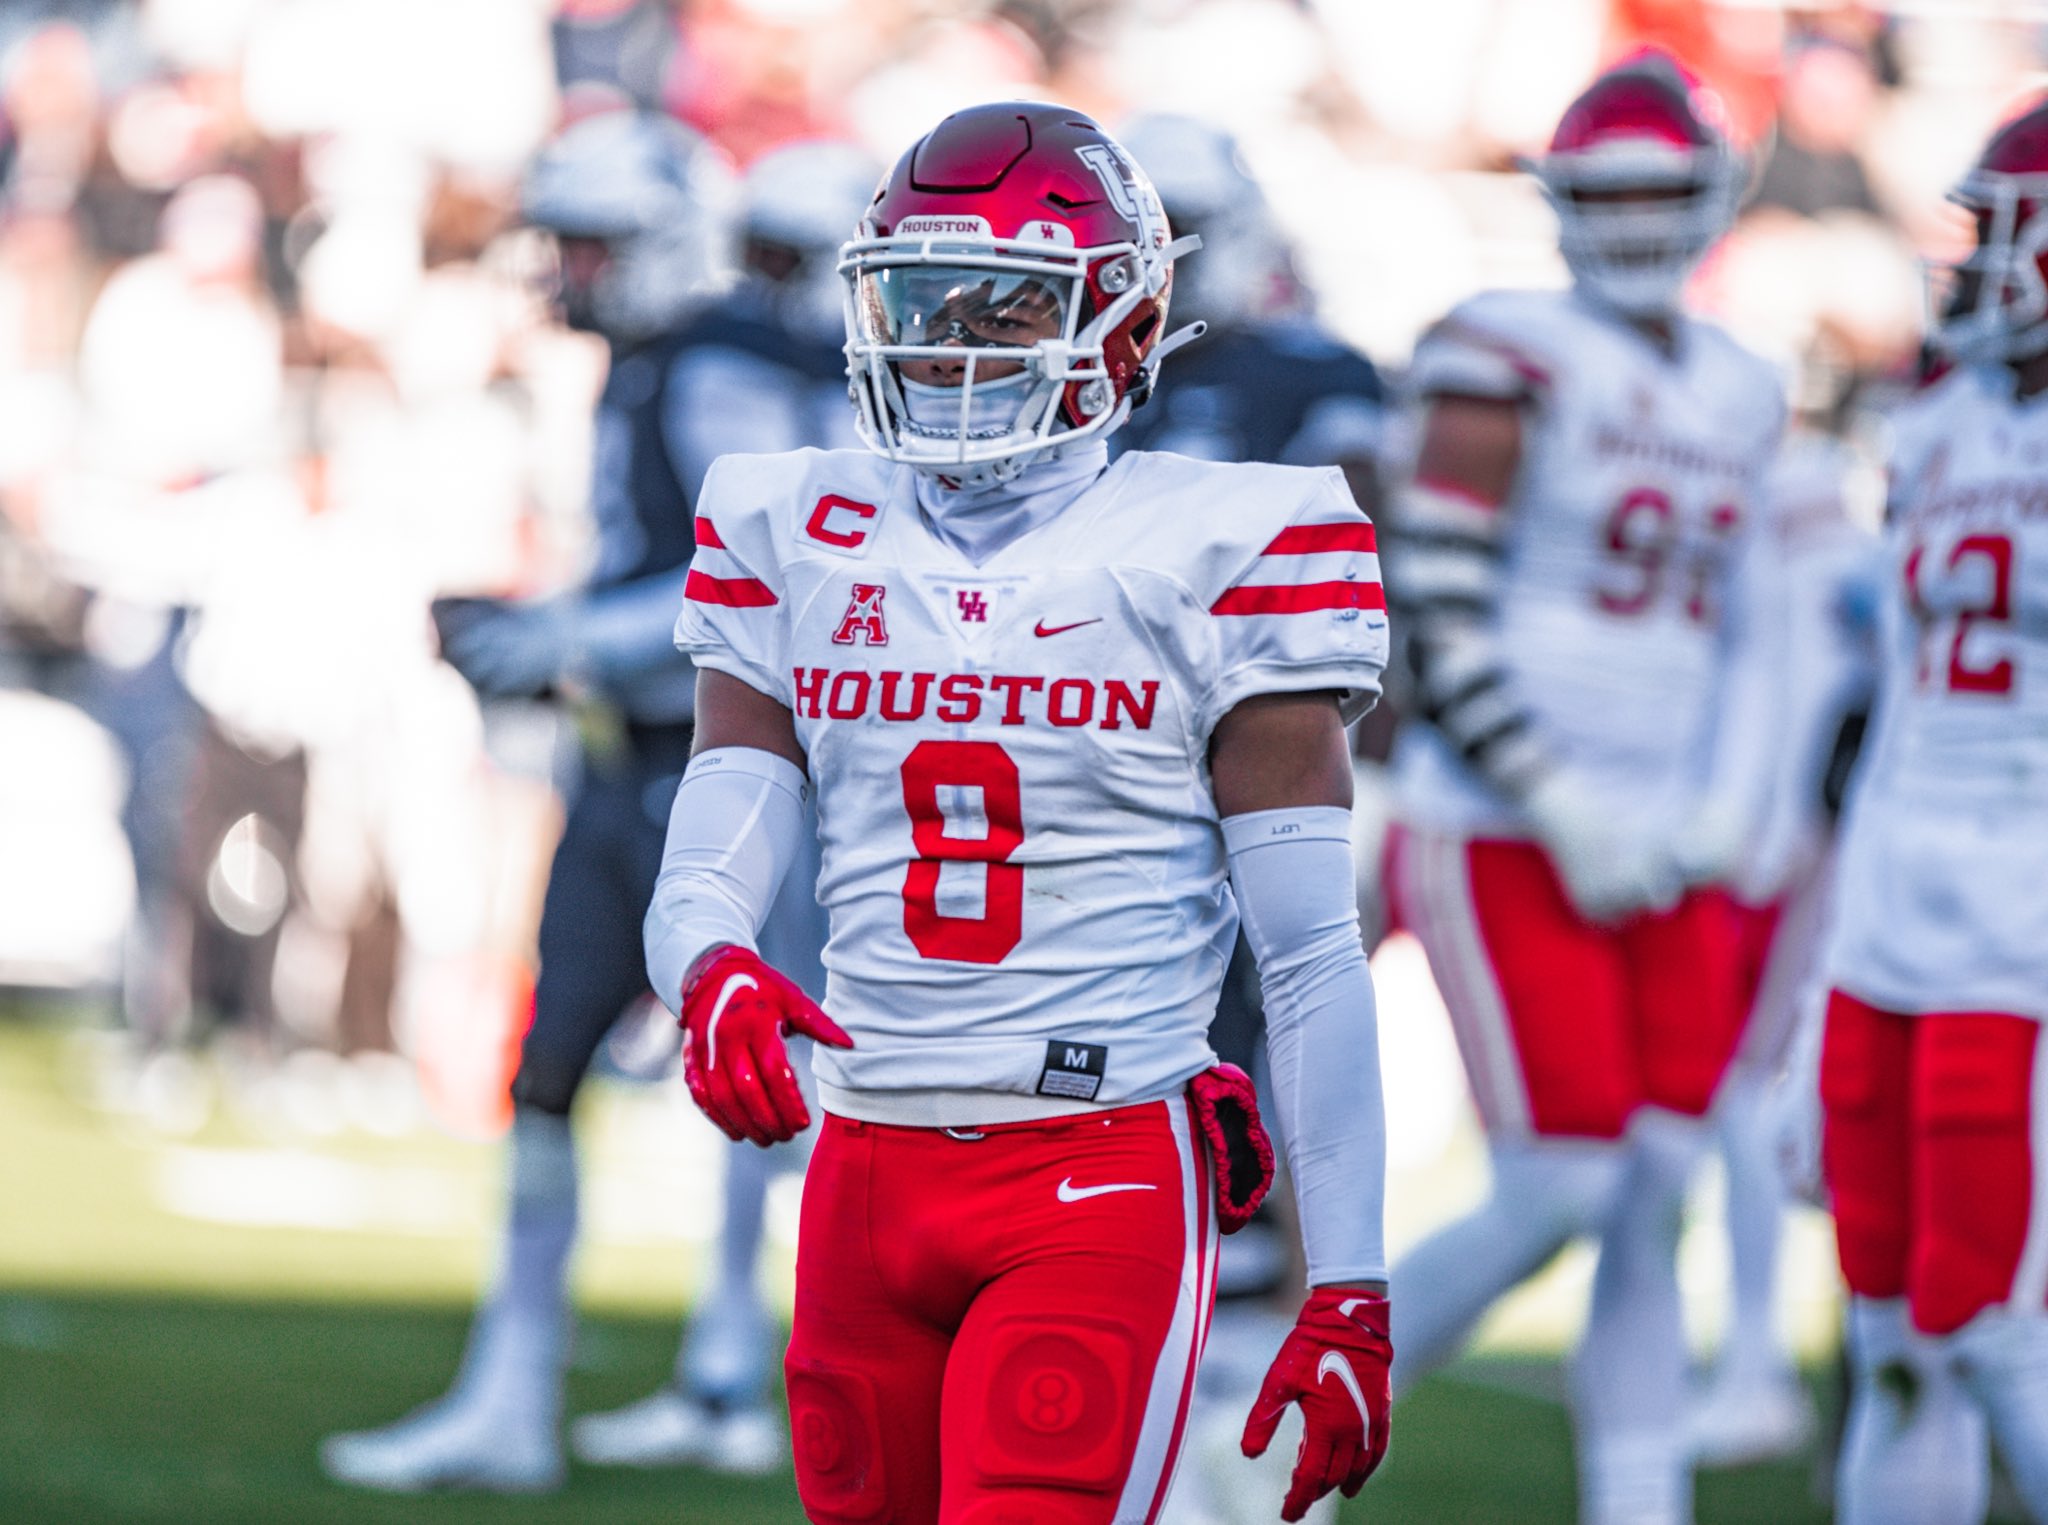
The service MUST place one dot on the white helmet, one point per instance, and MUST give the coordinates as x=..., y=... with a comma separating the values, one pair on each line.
x=660, y=200
x=800, y=203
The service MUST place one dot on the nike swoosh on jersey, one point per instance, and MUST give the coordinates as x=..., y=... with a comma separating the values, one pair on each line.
x=1043, y=629
x=733, y=986
x=1334, y=1364
x=1069, y=1192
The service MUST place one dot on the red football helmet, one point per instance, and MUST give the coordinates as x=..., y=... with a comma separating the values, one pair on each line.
x=1644, y=182
x=1006, y=293
x=1997, y=308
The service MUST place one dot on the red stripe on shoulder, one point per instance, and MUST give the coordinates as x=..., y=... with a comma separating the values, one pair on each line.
x=733, y=592
x=1308, y=539
x=1518, y=361
x=1301, y=598
x=1456, y=490
x=707, y=534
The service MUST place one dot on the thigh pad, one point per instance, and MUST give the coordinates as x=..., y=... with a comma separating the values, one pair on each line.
x=1059, y=1397
x=836, y=1437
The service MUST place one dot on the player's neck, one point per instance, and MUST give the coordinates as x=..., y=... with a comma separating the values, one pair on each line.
x=1658, y=329
x=979, y=522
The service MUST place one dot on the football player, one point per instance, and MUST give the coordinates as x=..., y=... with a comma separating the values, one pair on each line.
x=1268, y=382
x=1933, y=1071
x=771, y=352
x=1586, y=484
x=640, y=209
x=1067, y=722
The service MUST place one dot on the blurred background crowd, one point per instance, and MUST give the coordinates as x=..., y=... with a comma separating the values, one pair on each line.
x=277, y=370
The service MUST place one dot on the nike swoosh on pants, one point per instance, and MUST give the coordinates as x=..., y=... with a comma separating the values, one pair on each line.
x=1069, y=1192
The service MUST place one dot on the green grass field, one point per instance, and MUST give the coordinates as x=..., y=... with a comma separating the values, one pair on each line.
x=160, y=1364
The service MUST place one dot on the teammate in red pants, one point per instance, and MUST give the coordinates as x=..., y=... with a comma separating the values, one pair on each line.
x=1571, y=571
x=1933, y=1075
x=1069, y=723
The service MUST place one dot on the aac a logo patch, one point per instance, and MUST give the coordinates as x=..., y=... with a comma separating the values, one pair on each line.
x=863, y=618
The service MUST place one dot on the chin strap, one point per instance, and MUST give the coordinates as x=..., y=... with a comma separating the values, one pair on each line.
x=1140, y=390
x=1180, y=338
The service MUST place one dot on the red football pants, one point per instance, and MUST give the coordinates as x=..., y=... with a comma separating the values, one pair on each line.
x=1929, y=1148
x=1566, y=1027
x=1000, y=1325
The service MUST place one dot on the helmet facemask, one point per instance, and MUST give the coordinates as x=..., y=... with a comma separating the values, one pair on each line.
x=972, y=359
x=1636, y=215
x=1993, y=304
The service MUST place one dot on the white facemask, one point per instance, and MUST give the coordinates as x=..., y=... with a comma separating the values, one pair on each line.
x=992, y=408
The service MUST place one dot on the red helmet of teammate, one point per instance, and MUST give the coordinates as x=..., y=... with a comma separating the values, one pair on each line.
x=1644, y=182
x=1006, y=293
x=1997, y=308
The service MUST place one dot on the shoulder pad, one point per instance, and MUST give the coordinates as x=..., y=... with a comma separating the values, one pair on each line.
x=1497, y=344
x=760, y=506
x=1209, y=520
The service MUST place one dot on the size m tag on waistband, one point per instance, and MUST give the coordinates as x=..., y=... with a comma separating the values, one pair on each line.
x=1073, y=1070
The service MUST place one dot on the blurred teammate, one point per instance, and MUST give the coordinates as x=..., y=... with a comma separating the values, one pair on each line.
x=1266, y=383
x=1932, y=1069
x=639, y=209
x=765, y=370
x=1066, y=720
x=1587, y=482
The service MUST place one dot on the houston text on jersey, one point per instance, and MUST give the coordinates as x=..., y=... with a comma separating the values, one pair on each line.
x=965, y=697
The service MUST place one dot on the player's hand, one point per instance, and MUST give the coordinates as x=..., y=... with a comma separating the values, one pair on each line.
x=736, y=1011
x=1609, y=873
x=505, y=650
x=1794, y=1116
x=1334, y=1364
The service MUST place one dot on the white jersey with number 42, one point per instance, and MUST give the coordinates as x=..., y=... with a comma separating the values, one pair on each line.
x=1022, y=862
x=1944, y=866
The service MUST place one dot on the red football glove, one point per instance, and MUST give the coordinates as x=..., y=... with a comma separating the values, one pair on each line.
x=735, y=1012
x=1334, y=1364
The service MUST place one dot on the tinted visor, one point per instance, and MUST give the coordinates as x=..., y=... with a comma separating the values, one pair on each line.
x=974, y=308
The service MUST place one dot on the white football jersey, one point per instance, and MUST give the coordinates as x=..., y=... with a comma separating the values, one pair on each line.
x=1599, y=594
x=1021, y=858
x=1944, y=864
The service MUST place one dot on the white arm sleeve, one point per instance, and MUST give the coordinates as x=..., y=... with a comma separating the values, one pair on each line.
x=1291, y=870
x=736, y=826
